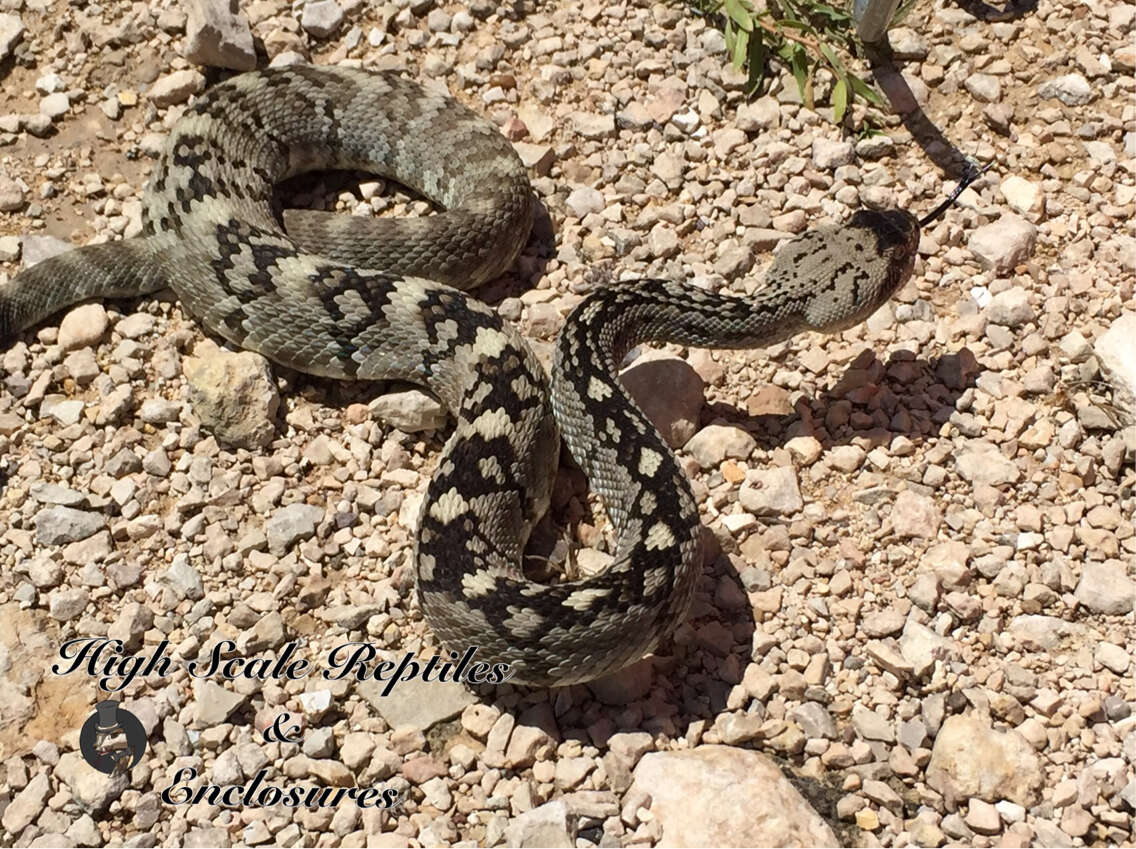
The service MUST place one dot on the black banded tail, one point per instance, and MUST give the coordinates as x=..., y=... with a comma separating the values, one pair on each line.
x=123, y=269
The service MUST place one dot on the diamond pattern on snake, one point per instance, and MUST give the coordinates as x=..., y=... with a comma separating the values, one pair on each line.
x=363, y=299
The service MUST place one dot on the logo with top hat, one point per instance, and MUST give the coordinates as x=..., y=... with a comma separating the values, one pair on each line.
x=112, y=739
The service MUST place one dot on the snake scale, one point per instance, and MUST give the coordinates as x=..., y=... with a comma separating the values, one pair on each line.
x=365, y=299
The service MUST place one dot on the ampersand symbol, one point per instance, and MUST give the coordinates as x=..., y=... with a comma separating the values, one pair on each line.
x=278, y=733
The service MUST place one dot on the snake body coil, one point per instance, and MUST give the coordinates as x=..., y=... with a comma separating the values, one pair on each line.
x=376, y=299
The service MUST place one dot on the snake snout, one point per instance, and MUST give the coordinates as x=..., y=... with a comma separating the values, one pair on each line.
x=895, y=229
x=897, y=240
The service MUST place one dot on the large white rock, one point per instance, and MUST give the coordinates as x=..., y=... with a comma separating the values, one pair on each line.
x=1023, y=196
x=410, y=410
x=983, y=463
x=11, y=31
x=217, y=34
x=725, y=796
x=1011, y=307
x=322, y=18
x=93, y=791
x=1003, y=244
x=82, y=326
x=1116, y=352
x=233, y=394
x=176, y=88
x=714, y=443
x=1106, y=588
x=915, y=515
x=971, y=758
x=23, y=809
x=1071, y=89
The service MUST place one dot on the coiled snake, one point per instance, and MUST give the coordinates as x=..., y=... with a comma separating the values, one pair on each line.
x=370, y=299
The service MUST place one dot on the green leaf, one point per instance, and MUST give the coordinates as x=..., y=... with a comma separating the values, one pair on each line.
x=740, y=14
x=836, y=16
x=902, y=12
x=741, y=48
x=758, y=62
x=797, y=36
x=799, y=66
x=839, y=100
x=864, y=90
x=790, y=9
x=831, y=56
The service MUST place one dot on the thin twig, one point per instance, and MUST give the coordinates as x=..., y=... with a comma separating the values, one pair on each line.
x=784, y=33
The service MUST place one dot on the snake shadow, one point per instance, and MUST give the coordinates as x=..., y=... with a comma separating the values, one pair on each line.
x=686, y=683
x=1010, y=11
x=872, y=402
x=691, y=678
x=935, y=144
x=691, y=686
x=940, y=149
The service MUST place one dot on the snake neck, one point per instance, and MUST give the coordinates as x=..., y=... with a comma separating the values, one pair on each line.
x=614, y=321
x=608, y=434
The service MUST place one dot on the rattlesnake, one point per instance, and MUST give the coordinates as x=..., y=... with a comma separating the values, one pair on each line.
x=375, y=299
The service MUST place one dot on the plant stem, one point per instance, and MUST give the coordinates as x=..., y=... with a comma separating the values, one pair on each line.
x=800, y=39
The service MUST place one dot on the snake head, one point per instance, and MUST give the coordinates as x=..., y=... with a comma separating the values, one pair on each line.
x=862, y=263
x=858, y=266
x=897, y=240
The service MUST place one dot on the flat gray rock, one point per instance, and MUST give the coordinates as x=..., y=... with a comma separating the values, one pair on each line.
x=550, y=824
x=213, y=704
x=418, y=703
x=772, y=492
x=291, y=524
x=58, y=525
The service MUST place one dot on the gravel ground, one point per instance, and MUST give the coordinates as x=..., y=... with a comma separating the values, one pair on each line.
x=915, y=625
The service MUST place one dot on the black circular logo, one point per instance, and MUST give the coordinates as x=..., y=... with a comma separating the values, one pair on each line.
x=112, y=740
